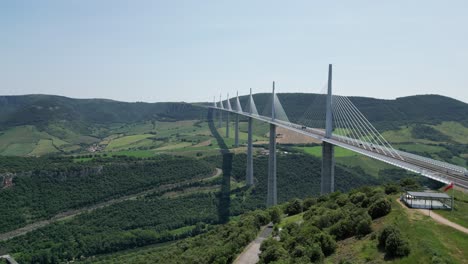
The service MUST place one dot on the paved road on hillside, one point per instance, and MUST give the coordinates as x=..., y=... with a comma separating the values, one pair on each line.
x=251, y=253
x=73, y=213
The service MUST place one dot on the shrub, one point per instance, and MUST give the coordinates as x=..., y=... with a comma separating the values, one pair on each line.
x=327, y=243
x=393, y=242
x=392, y=189
x=314, y=252
x=275, y=215
x=357, y=198
x=343, y=229
x=396, y=245
x=364, y=227
x=272, y=252
x=342, y=200
x=386, y=231
x=294, y=207
x=380, y=208
x=309, y=202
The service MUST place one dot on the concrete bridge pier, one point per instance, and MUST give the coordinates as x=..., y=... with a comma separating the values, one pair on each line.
x=220, y=119
x=227, y=124
x=249, y=172
x=236, y=131
x=328, y=169
x=272, y=188
x=328, y=158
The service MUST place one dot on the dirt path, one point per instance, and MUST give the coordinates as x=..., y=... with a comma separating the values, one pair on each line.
x=251, y=253
x=437, y=217
x=73, y=213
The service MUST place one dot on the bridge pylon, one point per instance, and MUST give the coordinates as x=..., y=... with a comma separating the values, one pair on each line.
x=327, y=184
x=228, y=105
x=220, y=121
x=249, y=171
x=272, y=186
x=236, y=124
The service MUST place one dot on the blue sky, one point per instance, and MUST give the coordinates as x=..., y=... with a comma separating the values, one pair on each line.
x=192, y=50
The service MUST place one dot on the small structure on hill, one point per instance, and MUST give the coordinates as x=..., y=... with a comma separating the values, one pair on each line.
x=428, y=200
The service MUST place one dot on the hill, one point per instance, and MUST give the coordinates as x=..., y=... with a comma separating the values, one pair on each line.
x=362, y=226
x=36, y=125
x=384, y=114
x=40, y=110
x=119, y=196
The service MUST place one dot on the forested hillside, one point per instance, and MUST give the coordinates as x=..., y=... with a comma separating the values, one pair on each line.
x=361, y=226
x=40, y=192
x=385, y=114
x=40, y=110
x=37, y=125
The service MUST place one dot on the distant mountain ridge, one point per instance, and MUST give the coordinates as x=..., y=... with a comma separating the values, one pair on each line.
x=39, y=110
x=383, y=113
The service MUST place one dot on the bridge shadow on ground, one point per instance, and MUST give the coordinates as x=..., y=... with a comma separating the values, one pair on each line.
x=225, y=192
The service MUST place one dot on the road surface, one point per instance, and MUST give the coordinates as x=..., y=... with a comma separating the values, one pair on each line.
x=251, y=253
x=72, y=213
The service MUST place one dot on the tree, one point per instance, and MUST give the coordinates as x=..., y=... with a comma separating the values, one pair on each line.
x=380, y=208
x=364, y=227
x=327, y=243
x=392, y=188
x=272, y=252
x=396, y=245
x=294, y=207
x=309, y=202
x=275, y=215
x=314, y=252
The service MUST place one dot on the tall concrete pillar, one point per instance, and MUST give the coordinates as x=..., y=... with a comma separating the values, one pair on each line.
x=328, y=158
x=249, y=172
x=327, y=184
x=227, y=124
x=236, y=132
x=272, y=191
x=220, y=118
x=220, y=123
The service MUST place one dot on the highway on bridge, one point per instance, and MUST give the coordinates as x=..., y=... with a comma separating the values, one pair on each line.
x=434, y=169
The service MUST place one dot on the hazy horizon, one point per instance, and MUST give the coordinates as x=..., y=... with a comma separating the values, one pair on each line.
x=191, y=51
x=217, y=99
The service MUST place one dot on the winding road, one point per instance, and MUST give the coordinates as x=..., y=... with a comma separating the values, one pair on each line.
x=251, y=253
x=72, y=213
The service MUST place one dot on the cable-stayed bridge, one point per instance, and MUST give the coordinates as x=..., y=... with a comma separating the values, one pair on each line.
x=335, y=121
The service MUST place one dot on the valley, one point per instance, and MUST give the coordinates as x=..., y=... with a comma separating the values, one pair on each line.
x=134, y=190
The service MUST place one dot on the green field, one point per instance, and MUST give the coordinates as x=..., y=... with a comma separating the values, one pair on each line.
x=129, y=141
x=317, y=151
x=403, y=135
x=429, y=242
x=44, y=146
x=350, y=159
x=418, y=147
x=28, y=140
x=459, y=214
x=454, y=130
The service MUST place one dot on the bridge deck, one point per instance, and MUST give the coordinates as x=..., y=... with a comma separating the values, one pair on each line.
x=436, y=170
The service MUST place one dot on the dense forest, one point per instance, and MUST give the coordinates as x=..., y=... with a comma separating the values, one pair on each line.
x=81, y=115
x=384, y=114
x=42, y=109
x=155, y=218
x=43, y=192
x=327, y=220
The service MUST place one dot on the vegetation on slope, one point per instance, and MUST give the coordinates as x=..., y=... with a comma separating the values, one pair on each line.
x=337, y=228
x=43, y=191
